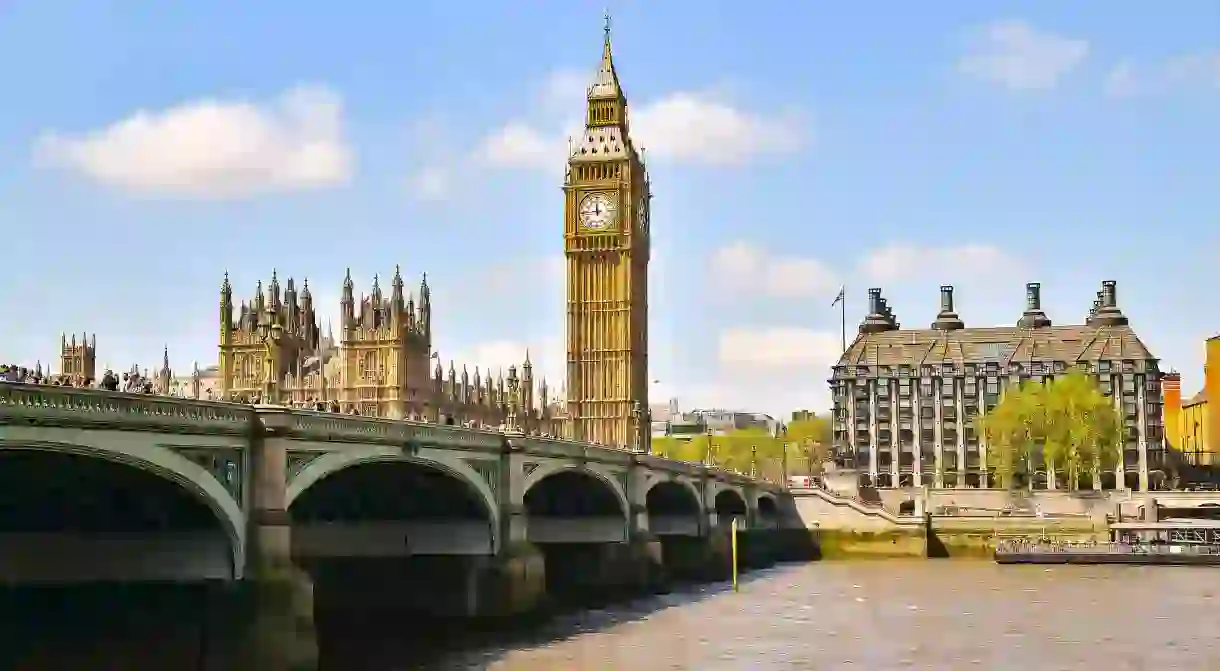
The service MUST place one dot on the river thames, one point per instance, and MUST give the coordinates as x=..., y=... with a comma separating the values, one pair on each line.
x=942, y=615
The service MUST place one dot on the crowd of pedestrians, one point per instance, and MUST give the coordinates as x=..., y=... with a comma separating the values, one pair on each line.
x=131, y=382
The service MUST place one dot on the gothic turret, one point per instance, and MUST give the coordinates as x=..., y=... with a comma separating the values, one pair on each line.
x=397, y=304
x=425, y=309
x=226, y=308
x=347, y=302
x=306, y=297
x=273, y=291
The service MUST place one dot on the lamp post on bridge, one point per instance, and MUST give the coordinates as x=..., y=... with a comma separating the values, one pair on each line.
x=636, y=436
x=753, y=461
x=513, y=401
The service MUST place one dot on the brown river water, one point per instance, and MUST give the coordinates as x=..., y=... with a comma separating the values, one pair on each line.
x=878, y=615
x=875, y=615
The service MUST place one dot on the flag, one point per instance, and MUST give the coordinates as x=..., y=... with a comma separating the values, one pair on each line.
x=839, y=297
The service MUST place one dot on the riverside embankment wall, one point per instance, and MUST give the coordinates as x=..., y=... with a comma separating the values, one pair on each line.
x=848, y=527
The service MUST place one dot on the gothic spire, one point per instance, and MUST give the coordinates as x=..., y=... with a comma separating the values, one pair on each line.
x=605, y=84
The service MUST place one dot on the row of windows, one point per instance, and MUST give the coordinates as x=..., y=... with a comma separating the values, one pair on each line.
x=926, y=386
x=994, y=368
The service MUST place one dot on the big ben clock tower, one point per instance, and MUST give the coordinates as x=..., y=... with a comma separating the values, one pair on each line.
x=606, y=243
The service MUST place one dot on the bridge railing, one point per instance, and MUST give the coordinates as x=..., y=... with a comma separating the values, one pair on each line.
x=76, y=406
x=48, y=405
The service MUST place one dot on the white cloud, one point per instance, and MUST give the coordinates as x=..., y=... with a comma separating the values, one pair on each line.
x=781, y=348
x=1014, y=55
x=519, y=145
x=1122, y=81
x=1184, y=72
x=213, y=148
x=547, y=356
x=692, y=127
x=431, y=183
x=769, y=369
x=688, y=127
x=903, y=262
x=741, y=266
x=1195, y=69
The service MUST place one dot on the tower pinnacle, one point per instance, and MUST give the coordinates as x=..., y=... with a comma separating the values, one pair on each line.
x=605, y=84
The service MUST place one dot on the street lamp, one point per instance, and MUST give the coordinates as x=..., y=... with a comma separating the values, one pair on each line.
x=753, y=461
x=707, y=455
x=635, y=427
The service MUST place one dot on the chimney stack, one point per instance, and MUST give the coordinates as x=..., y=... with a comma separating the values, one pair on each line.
x=1033, y=317
x=880, y=317
x=1109, y=294
x=1108, y=313
x=947, y=319
x=1033, y=296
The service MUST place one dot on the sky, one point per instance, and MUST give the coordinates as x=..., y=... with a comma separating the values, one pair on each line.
x=146, y=148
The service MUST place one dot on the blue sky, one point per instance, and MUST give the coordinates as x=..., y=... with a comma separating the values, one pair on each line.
x=148, y=147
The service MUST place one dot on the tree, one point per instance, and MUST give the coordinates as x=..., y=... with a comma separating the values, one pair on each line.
x=1068, y=426
x=809, y=442
x=693, y=448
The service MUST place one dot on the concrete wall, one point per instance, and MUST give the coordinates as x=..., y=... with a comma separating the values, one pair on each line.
x=823, y=510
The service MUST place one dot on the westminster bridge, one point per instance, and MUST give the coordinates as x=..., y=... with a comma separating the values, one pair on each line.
x=301, y=516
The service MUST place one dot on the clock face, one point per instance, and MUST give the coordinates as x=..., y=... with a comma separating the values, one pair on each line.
x=597, y=211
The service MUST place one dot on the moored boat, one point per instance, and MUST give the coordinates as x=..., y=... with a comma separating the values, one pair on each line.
x=1174, y=542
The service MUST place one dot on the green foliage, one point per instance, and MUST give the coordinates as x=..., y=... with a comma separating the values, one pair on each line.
x=1068, y=425
x=805, y=447
x=809, y=442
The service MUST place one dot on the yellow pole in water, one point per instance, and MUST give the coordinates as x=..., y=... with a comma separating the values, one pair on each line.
x=733, y=536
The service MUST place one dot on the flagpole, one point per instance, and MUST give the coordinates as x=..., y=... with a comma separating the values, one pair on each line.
x=841, y=301
x=843, y=321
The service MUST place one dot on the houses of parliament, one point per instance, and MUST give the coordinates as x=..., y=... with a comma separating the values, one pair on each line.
x=382, y=362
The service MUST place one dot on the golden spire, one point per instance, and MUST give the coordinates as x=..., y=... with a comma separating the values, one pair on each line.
x=605, y=84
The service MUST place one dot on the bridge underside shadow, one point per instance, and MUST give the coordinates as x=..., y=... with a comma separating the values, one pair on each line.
x=385, y=543
x=102, y=563
x=577, y=521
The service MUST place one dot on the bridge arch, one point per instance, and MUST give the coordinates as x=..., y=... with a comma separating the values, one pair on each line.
x=574, y=506
x=730, y=503
x=380, y=502
x=674, y=508
x=332, y=462
x=673, y=497
x=573, y=473
x=768, y=510
x=192, y=480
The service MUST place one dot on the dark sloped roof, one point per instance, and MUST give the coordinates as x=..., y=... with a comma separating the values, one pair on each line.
x=1198, y=398
x=999, y=344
